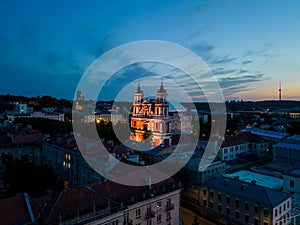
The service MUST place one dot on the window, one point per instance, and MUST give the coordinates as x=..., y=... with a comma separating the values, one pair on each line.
x=158, y=218
x=227, y=199
x=246, y=206
x=211, y=194
x=247, y=218
x=168, y=203
x=158, y=206
x=256, y=209
x=256, y=221
x=211, y=204
x=220, y=197
x=204, y=192
x=228, y=211
x=204, y=202
x=288, y=205
x=266, y=212
x=68, y=156
x=237, y=214
x=126, y=217
x=237, y=203
x=220, y=208
x=284, y=207
x=266, y=223
x=276, y=212
x=138, y=213
x=148, y=209
x=115, y=222
x=168, y=216
x=292, y=184
x=149, y=222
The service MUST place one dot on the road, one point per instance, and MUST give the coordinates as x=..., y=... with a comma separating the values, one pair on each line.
x=188, y=217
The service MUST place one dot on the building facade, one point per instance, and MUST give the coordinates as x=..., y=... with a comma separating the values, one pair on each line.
x=150, y=118
x=287, y=151
x=108, y=203
x=234, y=147
x=236, y=202
x=62, y=154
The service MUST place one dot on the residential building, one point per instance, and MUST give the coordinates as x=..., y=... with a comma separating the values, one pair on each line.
x=62, y=154
x=291, y=182
x=20, y=108
x=243, y=144
x=199, y=175
x=287, y=151
x=112, y=204
x=236, y=202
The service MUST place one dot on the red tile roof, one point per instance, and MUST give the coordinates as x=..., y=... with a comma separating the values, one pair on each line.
x=14, y=210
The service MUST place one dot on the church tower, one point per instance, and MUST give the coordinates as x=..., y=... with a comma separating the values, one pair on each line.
x=150, y=118
x=137, y=100
x=162, y=105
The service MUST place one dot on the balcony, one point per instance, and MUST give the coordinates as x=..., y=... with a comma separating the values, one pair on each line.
x=150, y=214
x=169, y=207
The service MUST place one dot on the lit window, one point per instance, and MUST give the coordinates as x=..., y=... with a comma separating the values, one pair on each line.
x=68, y=156
x=158, y=206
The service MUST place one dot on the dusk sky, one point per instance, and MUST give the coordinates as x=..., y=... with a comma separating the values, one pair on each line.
x=249, y=45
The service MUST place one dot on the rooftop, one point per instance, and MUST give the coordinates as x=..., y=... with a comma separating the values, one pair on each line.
x=260, y=179
x=251, y=192
x=15, y=210
x=294, y=173
x=89, y=202
x=266, y=133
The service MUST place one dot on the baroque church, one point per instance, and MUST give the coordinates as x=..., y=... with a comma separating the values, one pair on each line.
x=150, y=120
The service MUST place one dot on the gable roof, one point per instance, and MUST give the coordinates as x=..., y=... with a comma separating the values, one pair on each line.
x=249, y=191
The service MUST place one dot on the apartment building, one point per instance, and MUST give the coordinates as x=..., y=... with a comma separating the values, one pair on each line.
x=287, y=151
x=109, y=203
x=236, y=202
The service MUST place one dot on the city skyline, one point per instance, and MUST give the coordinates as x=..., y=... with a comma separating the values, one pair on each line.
x=249, y=46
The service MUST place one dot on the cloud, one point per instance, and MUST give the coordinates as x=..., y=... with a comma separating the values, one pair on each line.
x=205, y=51
x=223, y=59
x=262, y=53
x=247, y=62
x=227, y=82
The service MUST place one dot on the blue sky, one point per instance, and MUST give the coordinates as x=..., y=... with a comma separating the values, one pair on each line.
x=249, y=45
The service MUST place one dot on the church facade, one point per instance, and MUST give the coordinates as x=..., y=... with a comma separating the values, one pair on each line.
x=150, y=120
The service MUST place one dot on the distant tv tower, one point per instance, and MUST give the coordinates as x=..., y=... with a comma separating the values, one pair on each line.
x=280, y=92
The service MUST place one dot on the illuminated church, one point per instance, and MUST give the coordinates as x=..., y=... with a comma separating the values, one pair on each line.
x=150, y=119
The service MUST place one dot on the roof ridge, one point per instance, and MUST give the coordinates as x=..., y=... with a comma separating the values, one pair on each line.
x=267, y=194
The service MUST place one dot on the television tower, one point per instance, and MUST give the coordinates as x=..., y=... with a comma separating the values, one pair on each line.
x=280, y=92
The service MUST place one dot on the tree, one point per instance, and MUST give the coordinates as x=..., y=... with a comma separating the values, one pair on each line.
x=24, y=176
